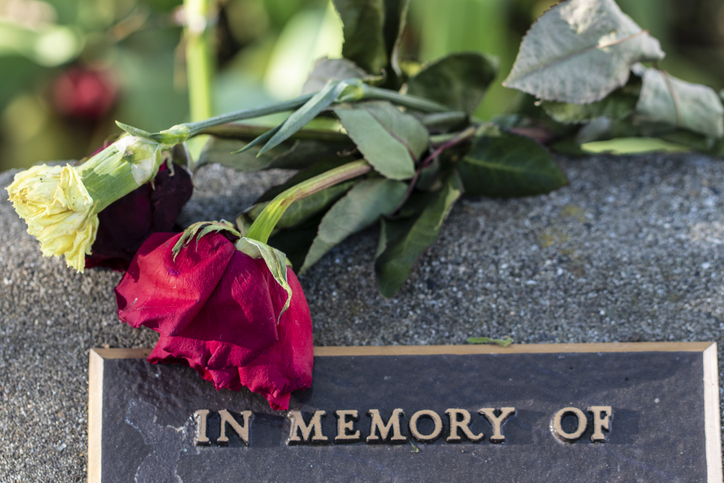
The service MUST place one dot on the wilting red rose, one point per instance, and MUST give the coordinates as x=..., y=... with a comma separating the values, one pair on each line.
x=216, y=310
x=126, y=223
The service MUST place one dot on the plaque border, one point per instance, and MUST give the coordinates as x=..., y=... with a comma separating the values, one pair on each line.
x=710, y=376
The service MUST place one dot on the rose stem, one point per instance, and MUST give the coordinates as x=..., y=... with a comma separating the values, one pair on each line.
x=459, y=138
x=264, y=224
x=199, y=63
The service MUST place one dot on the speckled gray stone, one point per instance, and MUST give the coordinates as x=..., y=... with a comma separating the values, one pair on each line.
x=632, y=250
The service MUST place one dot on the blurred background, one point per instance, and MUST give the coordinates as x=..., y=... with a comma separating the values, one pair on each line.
x=69, y=68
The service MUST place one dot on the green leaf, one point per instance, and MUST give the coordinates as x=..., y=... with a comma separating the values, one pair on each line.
x=358, y=209
x=579, y=51
x=303, y=154
x=275, y=260
x=310, y=145
x=502, y=164
x=696, y=141
x=390, y=140
x=301, y=210
x=504, y=342
x=635, y=145
x=458, y=81
x=596, y=130
x=429, y=179
x=299, y=118
x=199, y=230
x=394, y=26
x=603, y=128
x=134, y=131
x=262, y=138
x=300, y=155
x=668, y=100
x=615, y=106
x=372, y=31
x=220, y=150
x=295, y=242
x=403, y=241
x=325, y=70
x=364, y=42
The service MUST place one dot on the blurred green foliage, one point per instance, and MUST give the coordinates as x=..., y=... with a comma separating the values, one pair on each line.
x=69, y=68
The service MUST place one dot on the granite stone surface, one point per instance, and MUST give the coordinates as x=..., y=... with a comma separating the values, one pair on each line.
x=632, y=250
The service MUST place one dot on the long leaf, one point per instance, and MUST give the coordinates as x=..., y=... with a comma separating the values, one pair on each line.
x=326, y=70
x=262, y=138
x=300, y=155
x=295, y=242
x=696, y=141
x=390, y=140
x=299, y=118
x=458, y=81
x=403, y=241
x=364, y=42
x=615, y=106
x=303, y=154
x=358, y=209
x=668, y=100
x=219, y=150
x=579, y=51
x=394, y=26
x=503, y=164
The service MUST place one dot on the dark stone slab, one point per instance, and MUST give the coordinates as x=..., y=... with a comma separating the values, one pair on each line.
x=664, y=427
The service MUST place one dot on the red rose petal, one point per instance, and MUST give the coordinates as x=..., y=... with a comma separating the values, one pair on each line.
x=287, y=365
x=216, y=310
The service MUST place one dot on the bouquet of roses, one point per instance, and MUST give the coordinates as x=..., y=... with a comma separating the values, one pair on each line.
x=402, y=148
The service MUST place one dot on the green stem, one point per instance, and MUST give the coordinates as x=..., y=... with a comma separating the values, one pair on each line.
x=252, y=131
x=199, y=58
x=197, y=127
x=413, y=102
x=458, y=138
x=369, y=92
x=444, y=118
x=438, y=139
x=199, y=65
x=357, y=91
x=263, y=226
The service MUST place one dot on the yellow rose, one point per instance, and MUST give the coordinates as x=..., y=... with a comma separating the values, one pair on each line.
x=58, y=210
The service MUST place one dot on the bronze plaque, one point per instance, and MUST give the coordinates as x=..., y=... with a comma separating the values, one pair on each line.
x=554, y=413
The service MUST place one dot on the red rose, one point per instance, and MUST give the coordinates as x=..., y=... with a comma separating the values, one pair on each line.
x=125, y=224
x=84, y=93
x=216, y=310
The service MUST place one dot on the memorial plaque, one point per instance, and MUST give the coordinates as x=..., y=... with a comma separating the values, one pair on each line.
x=554, y=413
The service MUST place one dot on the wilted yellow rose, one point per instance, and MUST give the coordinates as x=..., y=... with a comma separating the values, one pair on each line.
x=58, y=210
x=60, y=204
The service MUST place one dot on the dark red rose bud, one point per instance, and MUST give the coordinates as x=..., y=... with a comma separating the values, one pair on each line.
x=84, y=93
x=126, y=223
x=216, y=310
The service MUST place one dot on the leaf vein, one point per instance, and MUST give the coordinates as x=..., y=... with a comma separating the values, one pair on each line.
x=580, y=52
